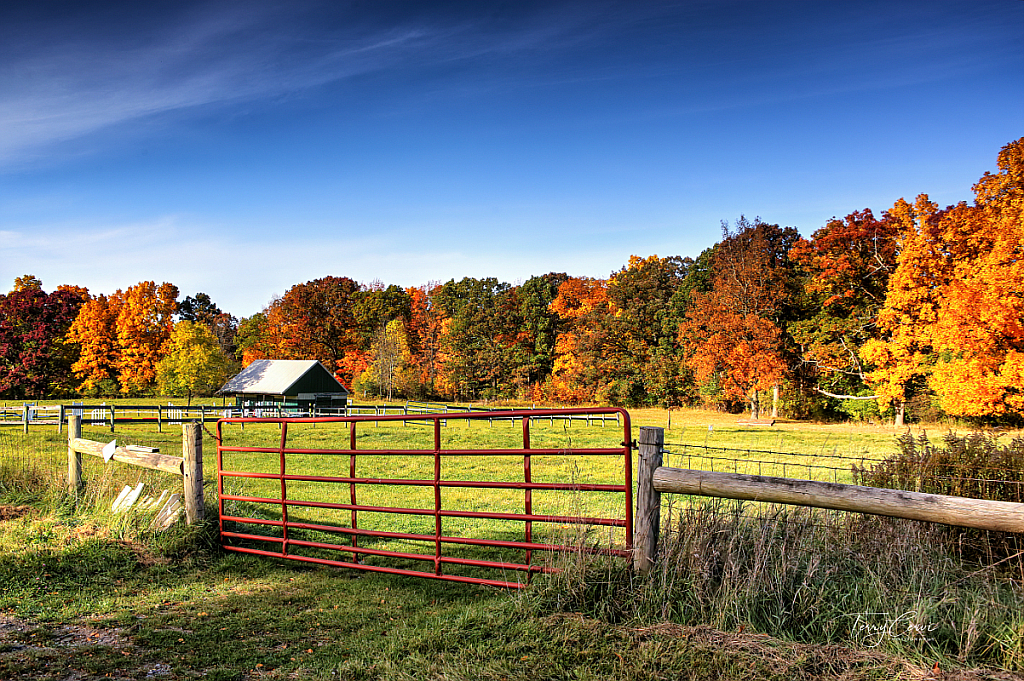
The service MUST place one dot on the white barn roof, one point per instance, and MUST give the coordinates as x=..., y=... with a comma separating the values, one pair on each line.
x=278, y=376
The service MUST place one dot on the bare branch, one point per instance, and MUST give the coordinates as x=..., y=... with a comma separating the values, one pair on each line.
x=847, y=397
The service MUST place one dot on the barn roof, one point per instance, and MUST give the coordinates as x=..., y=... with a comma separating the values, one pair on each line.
x=283, y=377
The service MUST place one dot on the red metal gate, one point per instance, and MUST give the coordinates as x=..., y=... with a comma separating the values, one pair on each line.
x=319, y=516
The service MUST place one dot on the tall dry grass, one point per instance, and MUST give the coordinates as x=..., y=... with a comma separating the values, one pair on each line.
x=901, y=586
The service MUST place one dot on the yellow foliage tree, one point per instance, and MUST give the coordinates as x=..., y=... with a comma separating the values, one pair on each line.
x=194, y=364
x=390, y=367
x=27, y=282
x=583, y=303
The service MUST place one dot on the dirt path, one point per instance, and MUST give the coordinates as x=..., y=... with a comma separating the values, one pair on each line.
x=67, y=652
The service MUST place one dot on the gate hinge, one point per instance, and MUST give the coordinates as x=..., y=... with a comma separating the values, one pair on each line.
x=631, y=444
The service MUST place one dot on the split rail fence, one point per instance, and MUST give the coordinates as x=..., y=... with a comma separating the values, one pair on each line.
x=189, y=465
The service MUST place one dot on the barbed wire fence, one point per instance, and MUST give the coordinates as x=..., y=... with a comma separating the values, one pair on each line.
x=913, y=465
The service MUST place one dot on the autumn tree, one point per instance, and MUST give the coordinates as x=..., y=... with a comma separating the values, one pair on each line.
x=316, y=320
x=390, y=369
x=27, y=282
x=254, y=340
x=121, y=338
x=733, y=335
x=619, y=343
x=952, y=318
x=577, y=370
x=424, y=331
x=375, y=305
x=35, y=357
x=845, y=269
x=144, y=324
x=484, y=344
x=94, y=332
x=541, y=324
x=194, y=363
x=641, y=341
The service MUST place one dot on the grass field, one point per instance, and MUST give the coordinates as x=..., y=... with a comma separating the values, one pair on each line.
x=85, y=594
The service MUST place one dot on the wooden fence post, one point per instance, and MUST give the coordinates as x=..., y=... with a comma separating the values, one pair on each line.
x=647, y=521
x=74, y=457
x=192, y=468
x=24, y=417
x=112, y=418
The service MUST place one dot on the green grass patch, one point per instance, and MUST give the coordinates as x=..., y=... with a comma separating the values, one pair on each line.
x=737, y=594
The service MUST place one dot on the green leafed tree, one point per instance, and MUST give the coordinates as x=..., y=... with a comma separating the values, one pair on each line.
x=194, y=364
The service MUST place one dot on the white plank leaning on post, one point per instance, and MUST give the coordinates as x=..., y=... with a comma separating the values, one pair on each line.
x=189, y=466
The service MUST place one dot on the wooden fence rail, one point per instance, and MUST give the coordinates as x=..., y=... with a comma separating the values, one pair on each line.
x=189, y=465
x=653, y=479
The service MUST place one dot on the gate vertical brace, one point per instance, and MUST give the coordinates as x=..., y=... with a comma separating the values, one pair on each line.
x=528, y=476
x=220, y=482
x=352, y=485
x=648, y=499
x=284, y=491
x=627, y=465
x=437, y=496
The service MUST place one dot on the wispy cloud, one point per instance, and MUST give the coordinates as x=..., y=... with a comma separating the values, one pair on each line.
x=66, y=78
x=56, y=91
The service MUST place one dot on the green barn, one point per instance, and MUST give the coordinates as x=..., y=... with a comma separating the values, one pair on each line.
x=303, y=384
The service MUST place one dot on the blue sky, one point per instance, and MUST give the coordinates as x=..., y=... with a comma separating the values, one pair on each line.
x=238, y=148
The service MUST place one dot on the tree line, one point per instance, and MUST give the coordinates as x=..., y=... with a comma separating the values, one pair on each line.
x=919, y=308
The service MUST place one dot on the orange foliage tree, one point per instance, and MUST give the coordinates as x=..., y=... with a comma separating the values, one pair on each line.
x=315, y=320
x=733, y=335
x=122, y=337
x=425, y=327
x=95, y=332
x=619, y=343
x=583, y=303
x=953, y=315
x=144, y=325
x=332, y=319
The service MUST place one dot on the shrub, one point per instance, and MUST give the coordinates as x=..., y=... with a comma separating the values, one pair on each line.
x=974, y=465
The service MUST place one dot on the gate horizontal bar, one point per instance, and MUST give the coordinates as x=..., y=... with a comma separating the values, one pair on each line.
x=484, y=484
x=430, y=452
x=488, y=515
x=378, y=568
x=497, y=543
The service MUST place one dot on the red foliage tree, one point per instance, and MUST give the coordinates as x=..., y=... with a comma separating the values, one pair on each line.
x=35, y=358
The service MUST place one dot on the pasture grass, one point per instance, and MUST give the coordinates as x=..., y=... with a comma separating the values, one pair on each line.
x=771, y=594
